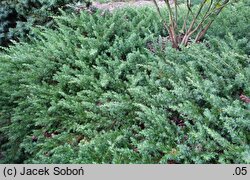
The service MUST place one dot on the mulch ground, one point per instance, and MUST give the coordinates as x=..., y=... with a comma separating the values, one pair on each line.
x=118, y=5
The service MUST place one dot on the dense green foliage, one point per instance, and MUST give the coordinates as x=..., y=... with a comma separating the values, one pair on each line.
x=91, y=92
x=18, y=16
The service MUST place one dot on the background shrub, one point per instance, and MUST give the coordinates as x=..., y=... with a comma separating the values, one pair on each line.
x=234, y=21
x=91, y=92
x=18, y=16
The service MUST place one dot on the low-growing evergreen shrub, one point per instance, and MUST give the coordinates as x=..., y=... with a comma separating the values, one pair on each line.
x=91, y=92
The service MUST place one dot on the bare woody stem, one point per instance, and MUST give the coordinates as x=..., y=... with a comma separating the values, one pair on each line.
x=208, y=16
x=187, y=34
x=172, y=26
x=202, y=33
x=176, y=13
x=159, y=12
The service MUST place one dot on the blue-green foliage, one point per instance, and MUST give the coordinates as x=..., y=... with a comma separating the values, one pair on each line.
x=8, y=17
x=91, y=92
